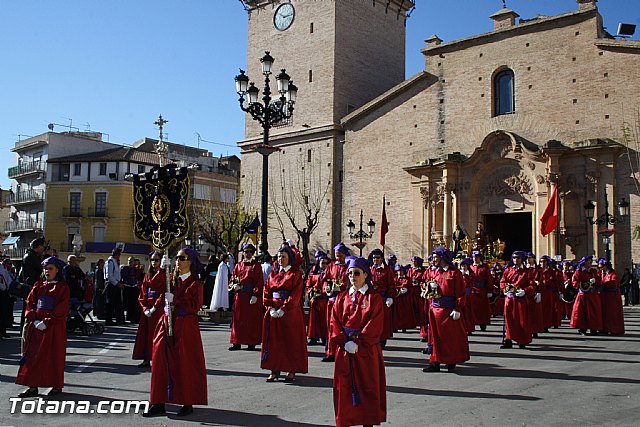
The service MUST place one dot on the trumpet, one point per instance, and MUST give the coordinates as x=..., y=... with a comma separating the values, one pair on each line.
x=234, y=284
x=428, y=292
x=313, y=293
x=510, y=288
x=332, y=286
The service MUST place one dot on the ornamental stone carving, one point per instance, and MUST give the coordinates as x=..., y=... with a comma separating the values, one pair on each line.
x=507, y=182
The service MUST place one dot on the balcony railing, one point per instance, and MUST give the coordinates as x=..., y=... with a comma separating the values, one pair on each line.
x=92, y=212
x=27, y=168
x=72, y=213
x=29, y=196
x=23, y=225
x=14, y=253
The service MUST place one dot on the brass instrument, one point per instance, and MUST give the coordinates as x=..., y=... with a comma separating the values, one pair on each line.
x=332, y=286
x=431, y=293
x=586, y=286
x=234, y=284
x=510, y=288
x=313, y=293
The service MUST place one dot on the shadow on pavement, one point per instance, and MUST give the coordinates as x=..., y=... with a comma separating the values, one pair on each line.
x=220, y=417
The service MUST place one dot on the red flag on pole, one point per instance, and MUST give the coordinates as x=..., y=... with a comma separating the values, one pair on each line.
x=384, y=224
x=549, y=219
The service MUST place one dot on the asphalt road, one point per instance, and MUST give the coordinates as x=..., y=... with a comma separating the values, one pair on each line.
x=562, y=379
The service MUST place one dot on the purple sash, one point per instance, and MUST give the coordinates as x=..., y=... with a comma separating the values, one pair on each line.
x=247, y=287
x=46, y=302
x=152, y=294
x=443, y=302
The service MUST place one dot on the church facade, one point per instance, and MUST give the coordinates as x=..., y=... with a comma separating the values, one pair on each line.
x=485, y=132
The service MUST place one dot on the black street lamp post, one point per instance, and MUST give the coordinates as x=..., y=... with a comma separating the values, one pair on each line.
x=607, y=219
x=268, y=113
x=361, y=235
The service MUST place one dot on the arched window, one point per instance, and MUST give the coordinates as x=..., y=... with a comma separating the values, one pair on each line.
x=504, y=100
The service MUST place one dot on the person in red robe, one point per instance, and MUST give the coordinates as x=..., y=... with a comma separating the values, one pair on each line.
x=447, y=332
x=404, y=315
x=558, y=307
x=612, y=311
x=587, y=308
x=548, y=289
x=497, y=300
x=178, y=372
x=43, y=358
x=382, y=282
x=151, y=299
x=517, y=286
x=284, y=343
x=535, y=300
x=417, y=275
x=336, y=282
x=481, y=291
x=246, y=324
x=317, y=328
x=567, y=291
x=427, y=277
x=359, y=382
x=468, y=277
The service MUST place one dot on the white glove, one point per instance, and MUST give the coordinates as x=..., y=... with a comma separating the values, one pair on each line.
x=537, y=298
x=489, y=294
x=237, y=287
x=520, y=293
x=403, y=291
x=455, y=315
x=592, y=280
x=466, y=273
x=389, y=302
x=280, y=312
x=272, y=312
x=147, y=313
x=168, y=297
x=253, y=300
x=433, y=285
x=164, y=263
x=561, y=296
x=350, y=347
x=39, y=324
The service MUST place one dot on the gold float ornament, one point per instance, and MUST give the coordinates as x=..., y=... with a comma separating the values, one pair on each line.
x=431, y=293
x=332, y=286
x=234, y=284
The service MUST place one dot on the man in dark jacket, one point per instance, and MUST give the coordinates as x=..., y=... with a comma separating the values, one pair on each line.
x=31, y=269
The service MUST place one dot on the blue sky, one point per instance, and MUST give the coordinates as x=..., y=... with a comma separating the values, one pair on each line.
x=113, y=66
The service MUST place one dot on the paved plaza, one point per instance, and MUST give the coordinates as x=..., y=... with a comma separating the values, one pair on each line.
x=562, y=379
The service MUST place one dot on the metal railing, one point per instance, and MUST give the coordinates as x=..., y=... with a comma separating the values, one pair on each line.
x=29, y=196
x=23, y=225
x=72, y=213
x=92, y=212
x=14, y=253
x=27, y=168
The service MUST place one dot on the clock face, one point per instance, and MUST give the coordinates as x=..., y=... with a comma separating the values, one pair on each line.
x=284, y=16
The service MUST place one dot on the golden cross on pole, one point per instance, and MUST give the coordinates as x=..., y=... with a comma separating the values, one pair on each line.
x=161, y=147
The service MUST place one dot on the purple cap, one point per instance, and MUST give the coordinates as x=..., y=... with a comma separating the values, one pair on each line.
x=584, y=259
x=476, y=253
x=53, y=260
x=320, y=254
x=248, y=246
x=342, y=248
x=466, y=261
x=399, y=267
x=444, y=254
x=292, y=258
x=362, y=264
x=605, y=262
x=417, y=259
x=530, y=255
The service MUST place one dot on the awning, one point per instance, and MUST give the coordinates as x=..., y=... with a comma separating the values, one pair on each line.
x=11, y=240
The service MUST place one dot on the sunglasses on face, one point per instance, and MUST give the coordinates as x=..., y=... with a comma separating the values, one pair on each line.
x=181, y=258
x=354, y=273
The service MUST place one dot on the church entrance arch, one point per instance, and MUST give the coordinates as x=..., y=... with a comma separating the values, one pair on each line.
x=512, y=228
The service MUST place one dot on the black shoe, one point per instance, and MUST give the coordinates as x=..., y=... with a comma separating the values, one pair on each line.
x=582, y=332
x=483, y=327
x=383, y=344
x=469, y=334
x=535, y=335
x=109, y=323
x=433, y=367
x=144, y=364
x=546, y=330
x=313, y=341
x=54, y=391
x=329, y=359
x=290, y=378
x=425, y=351
x=423, y=340
x=507, y=344
x=234, y=347
x=185, y=410
x=251, y=348
x=155, y=410
x=522, y=346
x=30, y=392
x=451, y=367
x=404, y=331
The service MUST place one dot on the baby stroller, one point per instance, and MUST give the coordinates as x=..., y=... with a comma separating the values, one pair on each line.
x=79, y=316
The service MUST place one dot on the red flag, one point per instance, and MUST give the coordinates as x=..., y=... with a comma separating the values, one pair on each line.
x=549, y=219
x=384, y=224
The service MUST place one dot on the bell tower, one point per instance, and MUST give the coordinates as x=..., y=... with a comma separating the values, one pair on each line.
x=340, y=54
